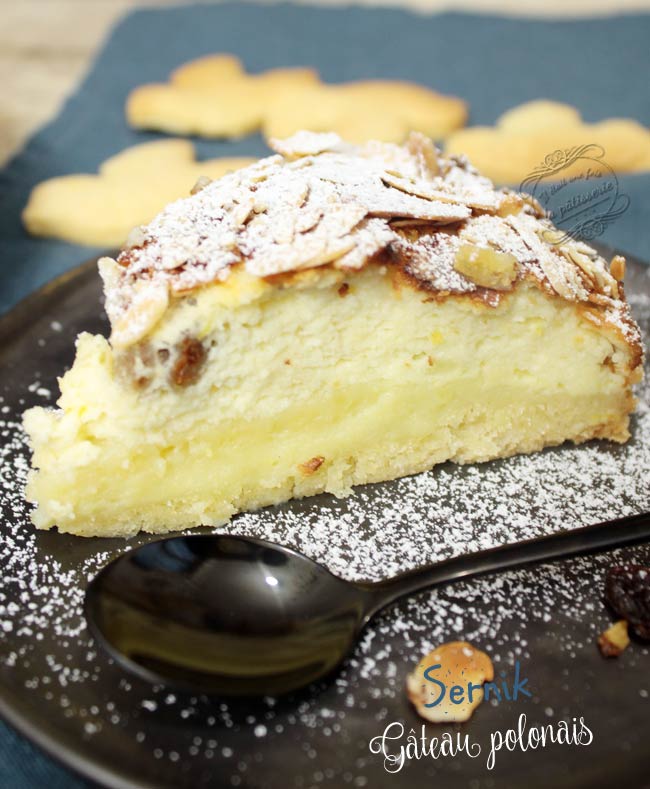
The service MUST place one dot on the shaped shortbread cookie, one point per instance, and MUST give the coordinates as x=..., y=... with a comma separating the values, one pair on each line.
x=215, y=97
x=526, y=135
x=130, y=189
x=373, y=109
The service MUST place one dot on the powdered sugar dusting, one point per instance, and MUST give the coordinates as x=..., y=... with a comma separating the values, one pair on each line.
x=52, y=664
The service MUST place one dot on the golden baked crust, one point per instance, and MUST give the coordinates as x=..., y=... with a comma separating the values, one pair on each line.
x=321, y=205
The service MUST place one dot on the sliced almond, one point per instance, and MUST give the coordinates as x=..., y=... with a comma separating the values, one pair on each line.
x=149, y=300
x=136, y=238
x=241, y=210
x=201, y=182
x=418, y=188
x=283, y=229
x=370, y=237
x=617, y=268
x=423, y=149
x=584, y=257
x=561, y=275
x=305, y=143
x=308, y=219
x=395, y=204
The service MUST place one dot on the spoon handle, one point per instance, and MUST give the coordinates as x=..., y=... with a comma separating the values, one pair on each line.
x=587, y=539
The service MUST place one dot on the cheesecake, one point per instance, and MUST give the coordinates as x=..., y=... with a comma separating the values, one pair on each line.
x=329, y=316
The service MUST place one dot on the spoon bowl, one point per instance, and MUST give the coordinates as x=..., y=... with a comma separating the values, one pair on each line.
x=232, y=615
x=238, y=616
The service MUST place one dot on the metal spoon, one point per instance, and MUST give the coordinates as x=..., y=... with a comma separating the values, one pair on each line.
x=239, y=616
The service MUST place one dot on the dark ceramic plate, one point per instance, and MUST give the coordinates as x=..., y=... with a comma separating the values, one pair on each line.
x=69, y=698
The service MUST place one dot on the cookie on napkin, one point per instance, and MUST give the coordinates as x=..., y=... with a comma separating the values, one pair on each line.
x=215, y=97
x=366, y=110
x=526, y=136
x=130, y=189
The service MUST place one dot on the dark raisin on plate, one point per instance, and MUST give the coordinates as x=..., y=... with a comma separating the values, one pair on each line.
x=627, y=592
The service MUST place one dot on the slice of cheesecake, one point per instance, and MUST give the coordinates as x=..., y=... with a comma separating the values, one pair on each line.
x=326, y=317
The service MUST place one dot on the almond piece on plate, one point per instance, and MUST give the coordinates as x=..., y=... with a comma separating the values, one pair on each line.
x=462, y=669
x=614, y=640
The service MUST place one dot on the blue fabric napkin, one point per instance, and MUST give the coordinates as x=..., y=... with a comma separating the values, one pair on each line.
x=23, y=766
x=601, y=66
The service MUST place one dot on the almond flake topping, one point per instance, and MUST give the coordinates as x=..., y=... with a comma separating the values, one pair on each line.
x=303, y=143
x=320, y=201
